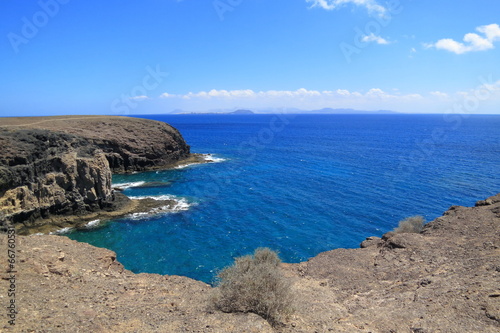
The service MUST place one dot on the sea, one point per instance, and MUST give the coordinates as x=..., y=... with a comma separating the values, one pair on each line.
x=298, y=184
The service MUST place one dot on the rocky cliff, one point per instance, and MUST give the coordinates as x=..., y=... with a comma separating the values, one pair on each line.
x=60, y=166
x=445, y=279
x=45, y=173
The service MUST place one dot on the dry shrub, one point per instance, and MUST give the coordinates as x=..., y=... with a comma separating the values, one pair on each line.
x=413, y=224
x=255, y=284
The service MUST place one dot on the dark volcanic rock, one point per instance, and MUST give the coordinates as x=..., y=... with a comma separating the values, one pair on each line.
x=51, y=166
x=130, y=144
x=45, y=173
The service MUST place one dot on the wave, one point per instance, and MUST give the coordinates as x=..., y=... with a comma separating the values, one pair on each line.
x=180, y=205
x=213, y=159
x=209, y=158
x=61, y=231
x=157, y=197
x=124, y=186
x=92, y=224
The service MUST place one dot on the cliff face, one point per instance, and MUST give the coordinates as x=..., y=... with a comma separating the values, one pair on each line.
x=129, y=144
x=52, y=166
x=44, y=173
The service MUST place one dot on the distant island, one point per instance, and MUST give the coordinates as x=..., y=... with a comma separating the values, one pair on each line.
x=286, y=111
x=237, y=112
x=350, y=111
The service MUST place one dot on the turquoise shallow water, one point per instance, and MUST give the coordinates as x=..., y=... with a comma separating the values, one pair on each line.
x=301, y=185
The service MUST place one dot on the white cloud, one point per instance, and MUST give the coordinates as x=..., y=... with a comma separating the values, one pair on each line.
x=472, y=41
x=247, y=93
x=219, y=93
x=306, y=93
x=243, y=93
x=439, y=94
x=371, y=5
x=492, y=31
x=373, y=38
x=167, y=95
x=343, y=92
x=488, y=94
x=493, y=87
x=375, y=92
x=289, y=95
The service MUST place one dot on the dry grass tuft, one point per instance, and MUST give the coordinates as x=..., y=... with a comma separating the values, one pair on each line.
x=413, y=224
x=255, y=284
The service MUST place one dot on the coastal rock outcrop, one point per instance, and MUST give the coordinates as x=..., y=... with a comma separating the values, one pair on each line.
x=445, y=279
x=130, y=144
x=45, y=173
x=57, y=166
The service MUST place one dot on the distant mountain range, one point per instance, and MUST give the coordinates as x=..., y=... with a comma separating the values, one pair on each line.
x=289, y=111
x=350, y=111
x=236, y=112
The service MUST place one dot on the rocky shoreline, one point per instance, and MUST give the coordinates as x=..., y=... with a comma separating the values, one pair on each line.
x=120, y=207
x=445, y=279
x=55, y=172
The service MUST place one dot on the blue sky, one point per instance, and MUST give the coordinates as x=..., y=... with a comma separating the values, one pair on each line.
x=156, y=56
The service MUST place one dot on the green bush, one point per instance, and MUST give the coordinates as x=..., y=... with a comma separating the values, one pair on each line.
x=255, y=284
x=413, y=224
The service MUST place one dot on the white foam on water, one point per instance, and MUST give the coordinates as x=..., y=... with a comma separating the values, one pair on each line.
x=183, y=166
x=207, y=157
x=213, y=159
x=138, y=216
x=157, y=197
x=61, y=231
x=128, y=185
x=181, y=204
x=93, y=224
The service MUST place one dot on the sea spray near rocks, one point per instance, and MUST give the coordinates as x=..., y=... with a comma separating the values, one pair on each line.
x=124, y=186
x=176, y=205
x=93, y=224
x=208, y=158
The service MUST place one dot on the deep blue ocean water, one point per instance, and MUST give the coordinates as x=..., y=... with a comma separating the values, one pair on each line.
x=301, y=184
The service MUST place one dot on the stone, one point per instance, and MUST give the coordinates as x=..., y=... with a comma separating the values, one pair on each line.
x=371, y=241
x=62, y=166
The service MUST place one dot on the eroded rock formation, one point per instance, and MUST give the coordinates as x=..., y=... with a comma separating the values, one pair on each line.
x=46, y=173
x=53, y=166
